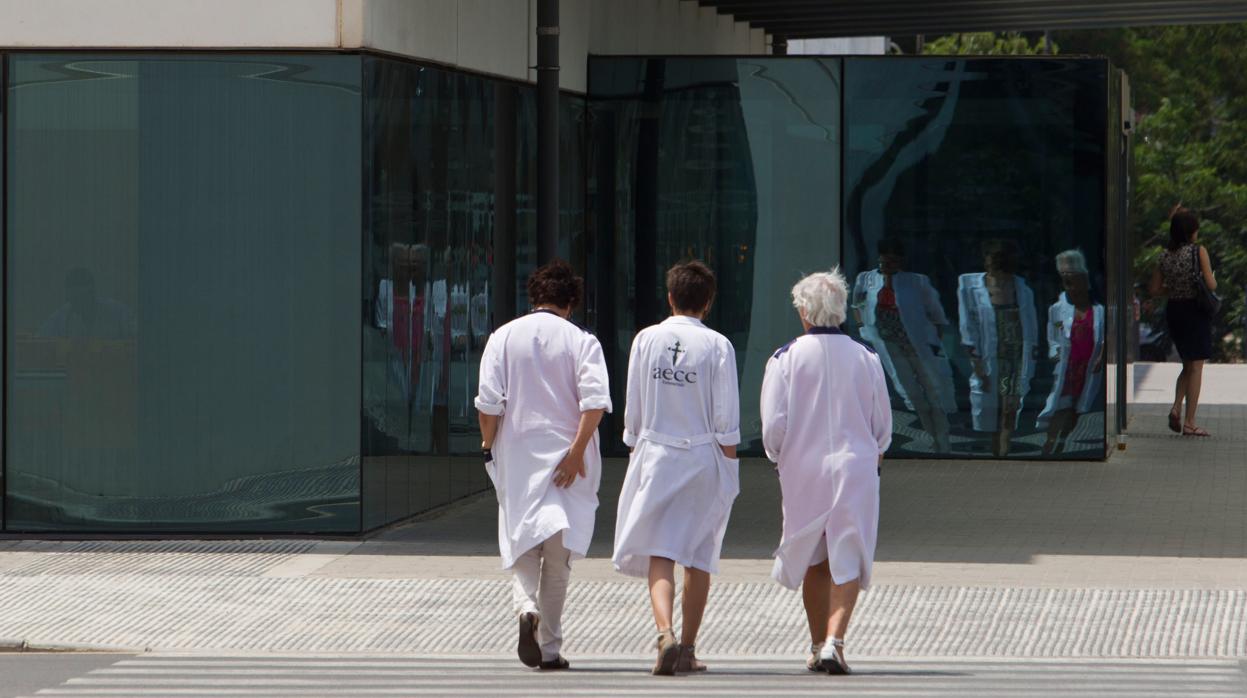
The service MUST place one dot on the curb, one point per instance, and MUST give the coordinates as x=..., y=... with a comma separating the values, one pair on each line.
x=9, y=645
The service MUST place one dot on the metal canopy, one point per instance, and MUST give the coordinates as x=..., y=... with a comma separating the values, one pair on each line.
x=806, y=19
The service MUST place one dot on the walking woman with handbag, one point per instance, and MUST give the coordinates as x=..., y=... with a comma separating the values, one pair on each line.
x=1185, y=275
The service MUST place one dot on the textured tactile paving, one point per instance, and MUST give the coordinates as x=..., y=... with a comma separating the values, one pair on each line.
x=112, y=558
x=210, y=612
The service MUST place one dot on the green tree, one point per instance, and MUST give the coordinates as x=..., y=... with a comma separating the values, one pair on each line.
x=985, y=44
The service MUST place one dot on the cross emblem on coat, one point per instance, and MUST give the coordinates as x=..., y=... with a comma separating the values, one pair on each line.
x=675, y=352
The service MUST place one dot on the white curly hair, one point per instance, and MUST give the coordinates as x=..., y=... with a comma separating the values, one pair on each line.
x=821, y=298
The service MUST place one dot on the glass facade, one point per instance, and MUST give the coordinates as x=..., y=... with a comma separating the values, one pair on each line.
x=450, y=238
x=975, y=224
x=965, y=200
x=734, y=161
x=182, y=259
x=191, y=252
x=192, y=241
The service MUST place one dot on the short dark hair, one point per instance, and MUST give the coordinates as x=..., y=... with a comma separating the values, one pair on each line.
x=1183, y=224
x=691, y=285
x=891, y=246
x=555, y=284
x=1003, y=255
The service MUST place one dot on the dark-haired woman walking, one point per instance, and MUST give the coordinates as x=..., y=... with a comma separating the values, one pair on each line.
x=1190, y=326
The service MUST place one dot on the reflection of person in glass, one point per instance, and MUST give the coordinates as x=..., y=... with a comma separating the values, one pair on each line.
x=1076, y=344
x=400, y=310
x=86, y=314
x=900, y=315
x=999, y=330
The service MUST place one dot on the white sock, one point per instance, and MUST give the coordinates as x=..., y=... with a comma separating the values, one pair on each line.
x=829, y=649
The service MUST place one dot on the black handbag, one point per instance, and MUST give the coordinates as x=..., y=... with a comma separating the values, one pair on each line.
x=1208, y=301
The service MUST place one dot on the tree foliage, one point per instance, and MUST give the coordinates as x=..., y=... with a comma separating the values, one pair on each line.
x=1189, y=86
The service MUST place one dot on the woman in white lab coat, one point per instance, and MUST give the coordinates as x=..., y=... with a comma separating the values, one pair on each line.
x=899, y=313
x=1000, y=332
x=682, y=422
x=1076, y=344
x=543, y=390
x=826, y=422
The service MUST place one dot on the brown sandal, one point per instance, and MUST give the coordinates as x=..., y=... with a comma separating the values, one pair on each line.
x=668, y=653
x=688, y=664
x=1175, y=423
x=1189, y=430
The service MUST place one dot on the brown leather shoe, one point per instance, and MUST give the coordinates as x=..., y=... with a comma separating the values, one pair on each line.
x=556, y=664
x=687, y=663
x=668, y=653
x=528, y=649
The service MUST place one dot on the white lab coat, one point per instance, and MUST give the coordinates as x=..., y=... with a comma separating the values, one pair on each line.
x=826, y=420
x=539, y=373
x=921, y=315
x=683, y=404
x=978, y=330
x=1060, y=322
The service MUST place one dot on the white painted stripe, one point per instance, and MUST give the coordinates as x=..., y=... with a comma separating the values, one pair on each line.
x=733, y=673
x=612, y=691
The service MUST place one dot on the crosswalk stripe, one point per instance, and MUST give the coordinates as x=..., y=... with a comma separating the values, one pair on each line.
x=501, y=677
x=1013, y=691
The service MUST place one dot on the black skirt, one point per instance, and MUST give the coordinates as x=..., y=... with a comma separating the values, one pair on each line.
x=1190, y=328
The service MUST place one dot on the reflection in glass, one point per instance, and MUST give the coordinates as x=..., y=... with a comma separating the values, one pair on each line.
x=952, y=157
x=1000, y=335
x=449, y=225
x=733, y=161
x=1076, y=347
x=182, y=262
x=901, y=317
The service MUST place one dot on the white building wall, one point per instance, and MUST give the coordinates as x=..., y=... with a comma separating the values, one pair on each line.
x=496, y=37
x=168, y=23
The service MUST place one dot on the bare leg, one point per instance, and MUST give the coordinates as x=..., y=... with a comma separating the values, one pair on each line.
x=662, y=590
x=1179, y=391
x=816, y=593
x=843, y=600
x=696, y=591
x=1194, y=381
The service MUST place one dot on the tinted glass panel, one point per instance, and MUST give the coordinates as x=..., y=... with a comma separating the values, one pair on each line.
x=183, y=256
x=733, y=161
x=975, y=230
x=450, y=237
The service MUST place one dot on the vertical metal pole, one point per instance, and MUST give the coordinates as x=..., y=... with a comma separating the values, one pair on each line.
x=547, y=130
x=503, y=247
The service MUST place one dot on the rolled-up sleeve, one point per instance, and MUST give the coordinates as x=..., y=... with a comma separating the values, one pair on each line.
x=881, y=417
x=774, y=409
x=725, y=398
x=592, y=383
x=491, y=393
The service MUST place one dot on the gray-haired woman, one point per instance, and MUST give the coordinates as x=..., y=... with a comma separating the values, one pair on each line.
x=826, y=421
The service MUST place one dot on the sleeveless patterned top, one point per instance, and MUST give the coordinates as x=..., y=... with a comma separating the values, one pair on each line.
x=1177, y=270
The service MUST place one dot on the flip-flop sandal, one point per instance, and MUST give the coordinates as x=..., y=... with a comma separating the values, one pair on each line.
x=1194, y=431
x=1175, y=423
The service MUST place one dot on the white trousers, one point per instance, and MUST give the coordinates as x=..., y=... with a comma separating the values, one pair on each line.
x=540, y=586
